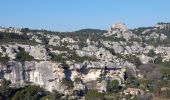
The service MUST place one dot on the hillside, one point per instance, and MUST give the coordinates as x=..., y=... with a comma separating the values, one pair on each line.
x=89, y=63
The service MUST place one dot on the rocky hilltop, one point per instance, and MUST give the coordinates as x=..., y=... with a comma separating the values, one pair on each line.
x=73, y=63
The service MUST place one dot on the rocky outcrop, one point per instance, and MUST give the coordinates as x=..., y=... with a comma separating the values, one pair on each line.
x=50, y=75
x=68, y=40
x=119, y=30
x=106, y=56
x=46, y=74
x=54, y=40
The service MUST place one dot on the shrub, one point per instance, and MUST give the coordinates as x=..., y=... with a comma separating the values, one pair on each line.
x=133, y=59
x=71, y=55
x=4, y=60
x=68, y=83
x=22, y=55
x=151, y=53
x=4, y=88
x=94, y=95
x=3, y=48
x=30, y=92
x=112, y=86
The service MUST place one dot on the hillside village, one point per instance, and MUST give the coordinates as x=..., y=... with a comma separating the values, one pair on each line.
x=90, y=64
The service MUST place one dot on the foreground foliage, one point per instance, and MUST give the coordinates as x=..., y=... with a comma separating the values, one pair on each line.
x=30, y=92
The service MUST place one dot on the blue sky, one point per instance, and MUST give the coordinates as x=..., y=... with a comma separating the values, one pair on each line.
x=69, y=15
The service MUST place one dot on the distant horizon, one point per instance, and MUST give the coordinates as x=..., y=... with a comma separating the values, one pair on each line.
x=79, y=29
x=67, y=16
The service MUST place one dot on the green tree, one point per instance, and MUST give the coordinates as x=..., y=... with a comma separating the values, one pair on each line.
x=158, y=60
x=151, y=53
x=94, y=95
x=112, y=86
x=29, y=93
x=4, y=88
x=22, y=55
x=165, y=71
x=4, y=60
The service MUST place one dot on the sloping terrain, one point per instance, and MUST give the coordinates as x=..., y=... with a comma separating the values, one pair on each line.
x=75, y=65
